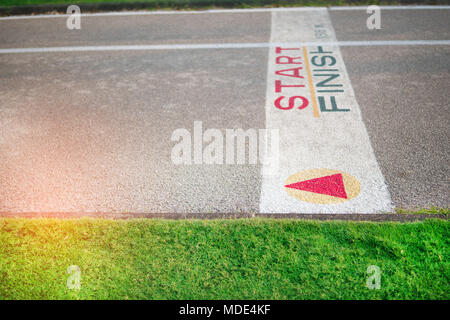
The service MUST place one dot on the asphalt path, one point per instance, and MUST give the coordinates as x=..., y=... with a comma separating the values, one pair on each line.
x=90, y=130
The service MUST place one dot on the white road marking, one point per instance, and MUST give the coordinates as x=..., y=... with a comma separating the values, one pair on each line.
x=159, y=12
x=226, y=46
x=312, y=137
x=162, y=12
x=392, y=8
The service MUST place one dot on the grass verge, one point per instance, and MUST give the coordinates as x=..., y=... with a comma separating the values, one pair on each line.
x=222, y=259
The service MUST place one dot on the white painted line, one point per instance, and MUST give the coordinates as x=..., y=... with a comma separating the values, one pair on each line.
x=328, y=132
x=165, y=12
x=391, y=43
x=161, y=12
x=226, y=46
x=391, y=8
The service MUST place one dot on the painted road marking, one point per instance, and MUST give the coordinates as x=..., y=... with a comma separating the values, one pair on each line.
x=160, y=12
x=322, y=186
x=226, y=46
x=391, y=8
x=332, y=136
x=311, y=83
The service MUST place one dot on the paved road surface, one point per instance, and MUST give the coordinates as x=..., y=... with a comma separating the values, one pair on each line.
x=85, y=129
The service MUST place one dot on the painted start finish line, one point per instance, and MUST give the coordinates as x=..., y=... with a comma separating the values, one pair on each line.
x=327, y=164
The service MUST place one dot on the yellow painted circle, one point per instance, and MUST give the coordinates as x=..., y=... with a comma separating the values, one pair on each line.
x=351, y=185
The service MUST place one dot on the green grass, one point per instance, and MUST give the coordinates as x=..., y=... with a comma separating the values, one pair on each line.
x=223, y=259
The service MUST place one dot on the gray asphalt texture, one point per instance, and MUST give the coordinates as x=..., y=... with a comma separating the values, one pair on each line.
x=123, y=30
x=90, y=131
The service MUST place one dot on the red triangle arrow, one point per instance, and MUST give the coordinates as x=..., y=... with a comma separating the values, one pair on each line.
x=330, y=185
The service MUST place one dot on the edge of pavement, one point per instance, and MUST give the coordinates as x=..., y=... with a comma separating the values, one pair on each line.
x=197, y=4
x=375, y=217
